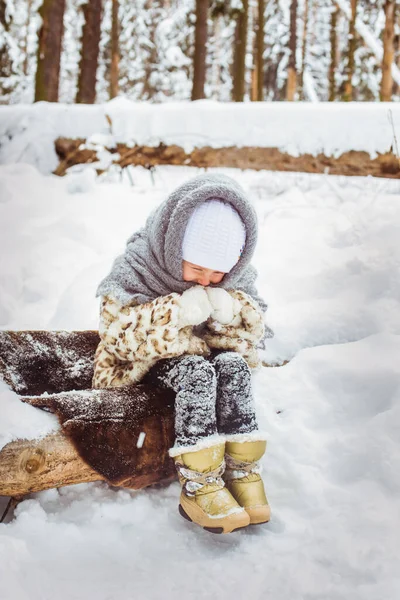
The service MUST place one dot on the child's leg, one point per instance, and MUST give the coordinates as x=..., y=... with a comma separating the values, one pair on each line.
x=245, y=445
x=199, y=450
x=235, y=403
x=194, y=381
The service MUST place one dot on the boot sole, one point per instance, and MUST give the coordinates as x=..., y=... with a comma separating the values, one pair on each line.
x=210, y=529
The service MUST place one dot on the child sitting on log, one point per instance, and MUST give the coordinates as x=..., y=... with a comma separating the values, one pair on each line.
x=179, y=309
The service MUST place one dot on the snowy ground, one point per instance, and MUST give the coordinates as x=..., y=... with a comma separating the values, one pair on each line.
x=329, y=262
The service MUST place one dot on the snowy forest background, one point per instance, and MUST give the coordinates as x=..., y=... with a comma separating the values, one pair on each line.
x=167, y=50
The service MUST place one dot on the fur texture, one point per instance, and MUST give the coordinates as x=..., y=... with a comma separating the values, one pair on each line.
x=134, y=338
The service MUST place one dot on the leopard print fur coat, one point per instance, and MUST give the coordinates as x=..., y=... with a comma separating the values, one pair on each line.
x=134, y=337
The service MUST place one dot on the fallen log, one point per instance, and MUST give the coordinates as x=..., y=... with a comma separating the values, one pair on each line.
x=75, y=151
x=120, y=435
x=28, y=466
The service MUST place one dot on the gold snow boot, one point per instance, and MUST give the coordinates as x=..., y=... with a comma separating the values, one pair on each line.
x=204, y=498
x=243, y=480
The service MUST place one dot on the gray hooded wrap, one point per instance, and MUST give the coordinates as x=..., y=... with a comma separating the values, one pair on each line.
x=152, y=263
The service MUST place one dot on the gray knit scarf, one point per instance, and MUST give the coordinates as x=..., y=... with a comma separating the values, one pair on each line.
x=151, y=265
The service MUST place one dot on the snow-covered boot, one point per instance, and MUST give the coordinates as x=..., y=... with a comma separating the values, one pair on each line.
x=204, y=498
x=243, y=480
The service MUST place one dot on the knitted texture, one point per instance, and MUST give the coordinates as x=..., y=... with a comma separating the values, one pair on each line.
x=214, y=237
x=151, y=265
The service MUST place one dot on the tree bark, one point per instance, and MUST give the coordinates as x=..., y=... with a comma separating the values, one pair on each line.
x=26, y=45
x=258, y=94
x=200, y=50
x=304, y=46
x=388, y=52
x=348, y=95
x=114, y=72
x=334, y=55
x=216, y=64
x=86, y=93
x=292, y=70
x=239, y=61
x=49, y=50
x=4, y=20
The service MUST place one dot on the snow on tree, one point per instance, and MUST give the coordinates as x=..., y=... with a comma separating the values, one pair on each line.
x=156, y=48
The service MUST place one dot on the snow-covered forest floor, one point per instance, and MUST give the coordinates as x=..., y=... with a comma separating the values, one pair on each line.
x=329, y=263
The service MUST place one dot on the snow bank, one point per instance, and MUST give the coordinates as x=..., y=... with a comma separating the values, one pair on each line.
x=27, y=132
x=21, y=421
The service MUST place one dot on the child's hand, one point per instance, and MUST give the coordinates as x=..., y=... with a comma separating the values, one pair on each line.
x=224, y=307
x=195, y=307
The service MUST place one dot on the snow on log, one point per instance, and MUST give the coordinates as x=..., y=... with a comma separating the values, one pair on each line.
x=77, y=151
x=121, y=435
x=38, y=362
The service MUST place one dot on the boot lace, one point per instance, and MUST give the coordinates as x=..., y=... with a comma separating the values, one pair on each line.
x=236, y=469
x=194, y=480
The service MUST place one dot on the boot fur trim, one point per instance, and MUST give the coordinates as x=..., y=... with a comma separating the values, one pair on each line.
x=207, y=442
x=253, y=436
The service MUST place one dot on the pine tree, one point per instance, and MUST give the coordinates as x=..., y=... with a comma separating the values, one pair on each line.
x=49, y=50
x=200, y=50
x=6, y=63
x=348, y=86
x=114, y=71
x=388, y=52
x=86, y=92
x=292, y=70
x=239, y=60
x=304, y=46
x=259, y=51
x=334, y=55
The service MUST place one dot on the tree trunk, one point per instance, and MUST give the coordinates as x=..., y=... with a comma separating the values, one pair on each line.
x=239, y=60
x=259, y=67
x=304, y=47
x=49, y=50
x=26, y=44
x=86, y=93
x=253, y=25
x=292, y=71
x=200, y=50
x=388, y=52
x=114, y=73
x=4, y=20
x=334, y=55
x=216, y=64
x=348, y=95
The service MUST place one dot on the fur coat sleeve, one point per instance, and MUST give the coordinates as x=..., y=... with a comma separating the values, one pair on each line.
x=243, y=333
x=134, y=338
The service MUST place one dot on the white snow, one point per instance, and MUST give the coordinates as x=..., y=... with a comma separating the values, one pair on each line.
x=329, y=263
x=19, y=420
x=27, y=132
x=141, y=439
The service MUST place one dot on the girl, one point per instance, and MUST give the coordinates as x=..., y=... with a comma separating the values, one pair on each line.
x=179, y=309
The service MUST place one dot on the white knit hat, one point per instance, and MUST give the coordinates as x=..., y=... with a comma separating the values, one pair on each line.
x=215, y=236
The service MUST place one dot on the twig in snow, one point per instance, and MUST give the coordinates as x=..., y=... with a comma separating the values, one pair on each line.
x=128, y=172
x=396, y=147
